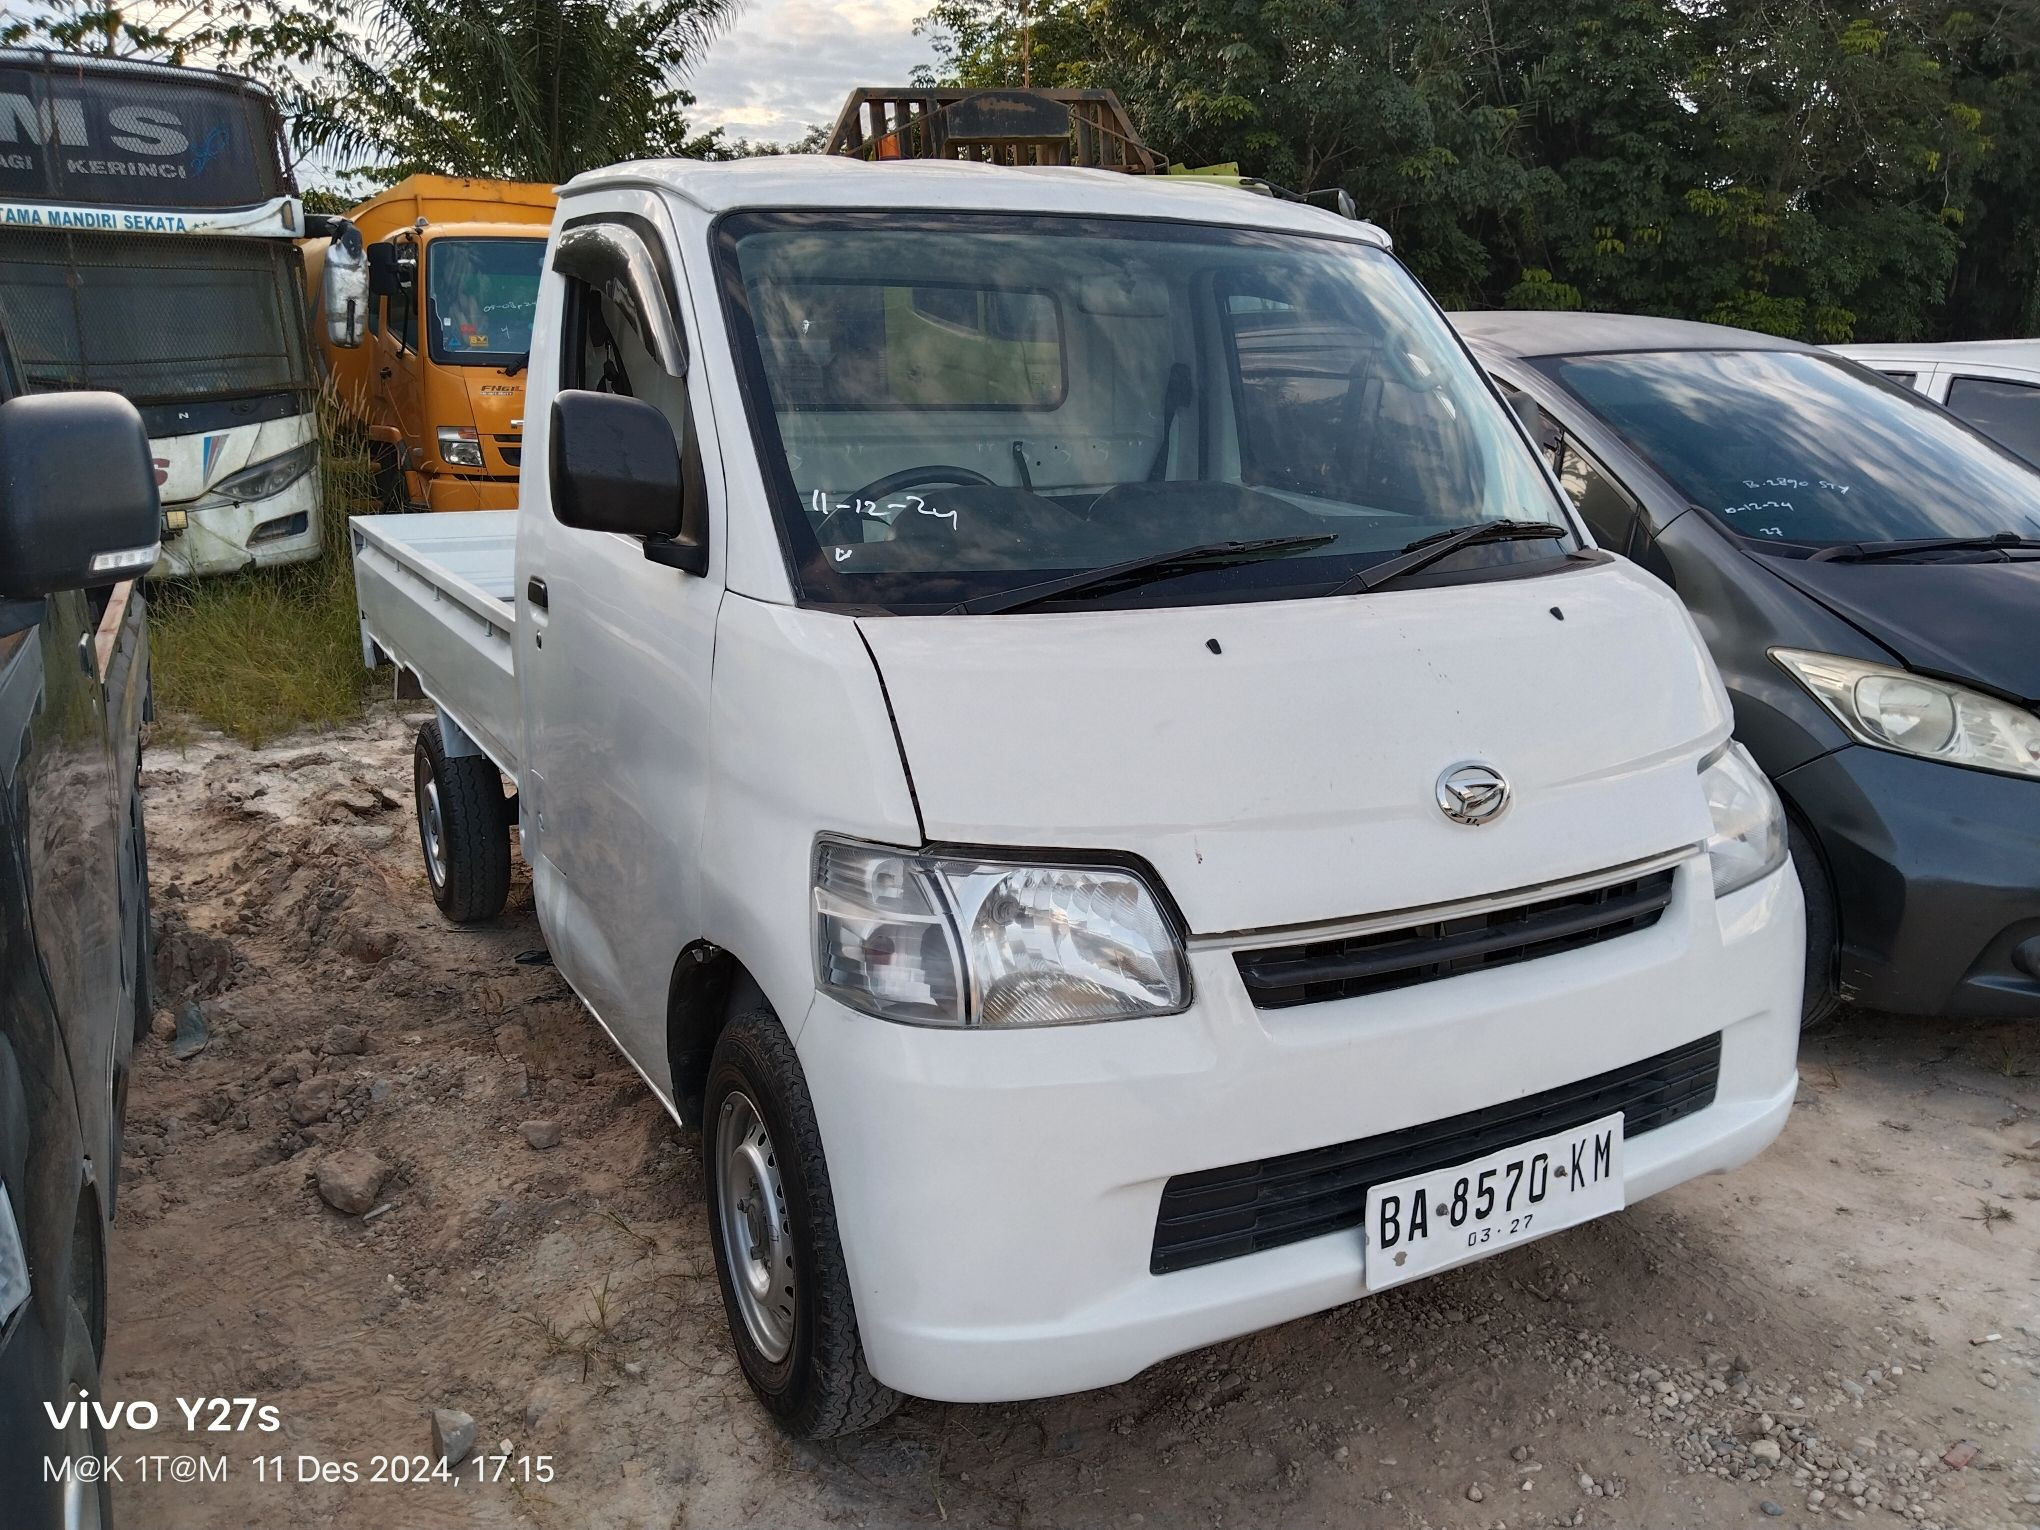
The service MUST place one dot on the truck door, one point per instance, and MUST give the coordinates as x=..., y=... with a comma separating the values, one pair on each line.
x=613, y=656
x=394, y=412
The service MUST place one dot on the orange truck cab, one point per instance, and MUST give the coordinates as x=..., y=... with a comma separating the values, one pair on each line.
x=437, y=382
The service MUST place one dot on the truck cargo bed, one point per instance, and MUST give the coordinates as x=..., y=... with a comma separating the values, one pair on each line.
x=437, y=598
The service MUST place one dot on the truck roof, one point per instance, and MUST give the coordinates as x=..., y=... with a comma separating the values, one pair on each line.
x=453, y=199
x=2003, y=353
x=784, y=181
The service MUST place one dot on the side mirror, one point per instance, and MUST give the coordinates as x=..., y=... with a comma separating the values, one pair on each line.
x=614, y=466
x=78, y=504
x=343, y=287
x=384, y=279
x=1534, y=419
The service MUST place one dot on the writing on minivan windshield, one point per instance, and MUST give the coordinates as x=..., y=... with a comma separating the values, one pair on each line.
x=1796, y=447
x=957, y=406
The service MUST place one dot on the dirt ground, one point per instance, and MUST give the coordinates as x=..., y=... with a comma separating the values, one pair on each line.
x=1803, y=1341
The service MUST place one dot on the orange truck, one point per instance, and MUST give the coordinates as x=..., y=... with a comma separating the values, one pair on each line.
x=437, y=382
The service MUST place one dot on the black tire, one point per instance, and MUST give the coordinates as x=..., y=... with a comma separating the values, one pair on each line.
x=470, y=870
x=820, y=1387
x=392, y=492
x=81, y=1374
x=1823, y=995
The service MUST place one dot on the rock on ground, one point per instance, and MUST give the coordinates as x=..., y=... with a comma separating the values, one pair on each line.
x=350, y=1178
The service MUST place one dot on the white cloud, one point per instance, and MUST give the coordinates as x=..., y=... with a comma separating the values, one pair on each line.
x=788, y=64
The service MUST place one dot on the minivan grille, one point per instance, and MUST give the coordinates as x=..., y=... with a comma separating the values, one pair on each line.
x=1246, y=1208
x=1352, y=965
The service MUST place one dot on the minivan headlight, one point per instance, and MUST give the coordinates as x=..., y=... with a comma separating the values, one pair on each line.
x=1748, y=842
x=1895, y=709
x=270, y=476
x=977, y=941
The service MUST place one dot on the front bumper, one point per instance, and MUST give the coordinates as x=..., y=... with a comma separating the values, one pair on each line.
x=1936, y=874
x=443, y=492
x=220, y=538
x=996, y=1192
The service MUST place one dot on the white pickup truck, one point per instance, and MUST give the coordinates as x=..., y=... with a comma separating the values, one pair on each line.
x=1061, y=721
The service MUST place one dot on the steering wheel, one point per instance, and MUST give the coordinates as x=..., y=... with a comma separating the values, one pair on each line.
x=884, y=488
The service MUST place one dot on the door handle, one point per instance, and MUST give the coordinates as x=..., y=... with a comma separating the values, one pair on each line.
x=385, y=371
x=536, y=594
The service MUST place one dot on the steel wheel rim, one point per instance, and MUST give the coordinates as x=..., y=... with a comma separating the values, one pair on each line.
x=432, y=831
x=755, y=1226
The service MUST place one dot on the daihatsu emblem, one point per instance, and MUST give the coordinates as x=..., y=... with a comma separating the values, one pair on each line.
x=1473, y=794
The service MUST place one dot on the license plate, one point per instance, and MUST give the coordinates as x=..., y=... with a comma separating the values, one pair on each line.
x=1448, y=1216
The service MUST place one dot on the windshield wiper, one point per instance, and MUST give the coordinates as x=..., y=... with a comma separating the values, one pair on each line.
x=1425, y=551
x=1137, y=571
x=1867, y=552
x=516, y=363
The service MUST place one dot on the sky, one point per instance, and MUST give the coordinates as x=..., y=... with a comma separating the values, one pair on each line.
x=787, y=64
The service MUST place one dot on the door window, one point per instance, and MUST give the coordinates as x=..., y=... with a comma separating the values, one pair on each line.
x=604, y=353
x=2007, y=412
x=1603, y=504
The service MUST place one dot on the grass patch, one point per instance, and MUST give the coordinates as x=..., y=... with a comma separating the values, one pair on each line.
x=266, y=651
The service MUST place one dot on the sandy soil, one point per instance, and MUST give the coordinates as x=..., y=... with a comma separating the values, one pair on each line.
x=1622, y=1374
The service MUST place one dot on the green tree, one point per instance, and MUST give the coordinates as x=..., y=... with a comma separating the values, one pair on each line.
x=533, y=90
x=1825, y=169
x=527, y=90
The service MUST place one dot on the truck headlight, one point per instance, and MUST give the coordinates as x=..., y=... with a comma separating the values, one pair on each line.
x=272, y=475
x=973, y=941
x=1895, y=709
x=1748, y=842
x=460, y=446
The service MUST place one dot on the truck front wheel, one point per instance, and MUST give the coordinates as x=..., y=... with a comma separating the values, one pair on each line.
x=463, y=829
x=772, y=1220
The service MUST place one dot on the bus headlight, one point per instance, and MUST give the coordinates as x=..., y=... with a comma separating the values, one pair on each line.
x=270, y=476
x=975, y=941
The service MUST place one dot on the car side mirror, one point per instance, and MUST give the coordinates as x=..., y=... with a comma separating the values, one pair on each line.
x=614, y=466
x=78, y=502
x=343, y=287
x=1539, y=424
x=384, y=277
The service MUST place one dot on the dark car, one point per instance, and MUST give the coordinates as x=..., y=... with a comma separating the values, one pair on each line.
x=1866, y=571
x=79, y=524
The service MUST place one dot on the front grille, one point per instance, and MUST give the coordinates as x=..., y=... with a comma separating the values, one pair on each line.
x=1352, y=965
x=1219, y=1214
x=511, y=450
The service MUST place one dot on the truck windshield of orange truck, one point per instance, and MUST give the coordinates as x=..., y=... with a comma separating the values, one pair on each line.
x=483, y=294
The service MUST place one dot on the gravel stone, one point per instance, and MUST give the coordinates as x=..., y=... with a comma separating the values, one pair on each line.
x=349, y=1179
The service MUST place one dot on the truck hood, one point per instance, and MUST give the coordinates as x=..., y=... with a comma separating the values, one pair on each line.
x=1978, y=622
x=1278, y=763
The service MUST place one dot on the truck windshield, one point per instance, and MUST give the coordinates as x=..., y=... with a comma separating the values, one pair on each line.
x=161, y=319
x=950, y=406
x=483, y=292
x=1796, y=447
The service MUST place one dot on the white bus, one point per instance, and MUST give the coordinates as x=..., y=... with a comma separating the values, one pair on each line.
x=148, y=228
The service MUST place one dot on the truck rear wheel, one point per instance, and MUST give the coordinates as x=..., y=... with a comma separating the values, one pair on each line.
x=463, y=829
x=772, y=1219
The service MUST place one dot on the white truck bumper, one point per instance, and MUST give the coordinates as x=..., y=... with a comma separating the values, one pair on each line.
x=997, y=1192
x=221, y=538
